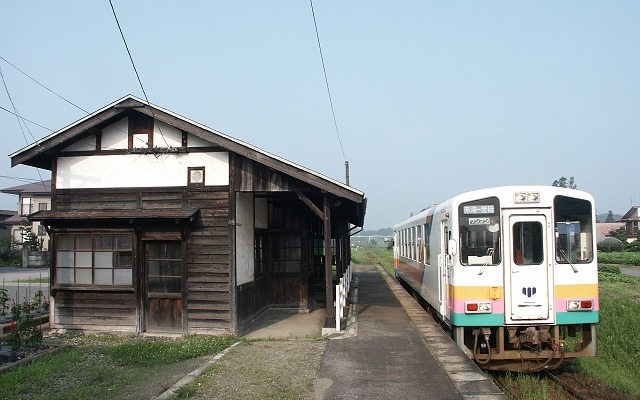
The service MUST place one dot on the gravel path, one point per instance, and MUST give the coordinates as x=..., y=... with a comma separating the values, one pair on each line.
x=269, y=369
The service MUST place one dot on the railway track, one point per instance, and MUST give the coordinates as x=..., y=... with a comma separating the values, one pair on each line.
x=547, y=385
x=559, y=387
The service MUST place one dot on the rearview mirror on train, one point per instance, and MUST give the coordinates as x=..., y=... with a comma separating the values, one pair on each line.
x=452, y=248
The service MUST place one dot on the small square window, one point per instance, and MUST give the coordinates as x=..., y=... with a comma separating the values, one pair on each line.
x=196, y=176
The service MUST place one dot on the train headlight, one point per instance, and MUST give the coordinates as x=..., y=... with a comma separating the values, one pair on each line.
x=580, y=305
x=477, y=307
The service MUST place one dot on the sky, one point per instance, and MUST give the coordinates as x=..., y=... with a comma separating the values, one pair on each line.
x=430, y=98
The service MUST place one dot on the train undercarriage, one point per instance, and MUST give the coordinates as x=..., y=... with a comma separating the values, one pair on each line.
x=526, y=348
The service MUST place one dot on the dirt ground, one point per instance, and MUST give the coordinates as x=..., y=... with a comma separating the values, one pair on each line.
x=268, y=369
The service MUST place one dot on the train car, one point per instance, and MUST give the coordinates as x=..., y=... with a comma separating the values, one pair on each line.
x=510, y=272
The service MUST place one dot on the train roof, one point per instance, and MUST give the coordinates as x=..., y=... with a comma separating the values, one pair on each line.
x=505, y=194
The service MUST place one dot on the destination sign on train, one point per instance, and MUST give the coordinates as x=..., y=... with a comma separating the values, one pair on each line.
x=479, y=209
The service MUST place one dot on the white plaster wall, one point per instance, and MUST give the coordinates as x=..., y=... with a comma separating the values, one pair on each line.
x=139, y=170
x=116, y=135
x=244, y=238
x=194, y=141
x=166, y=135
x=86, y=144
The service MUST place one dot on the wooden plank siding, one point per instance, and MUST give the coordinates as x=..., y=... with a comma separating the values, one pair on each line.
x=207, y=277
x=96, y=311
x=208, y=262
x=252, y=300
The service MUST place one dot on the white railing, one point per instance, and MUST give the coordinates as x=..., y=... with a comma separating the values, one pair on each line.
x=342, y=288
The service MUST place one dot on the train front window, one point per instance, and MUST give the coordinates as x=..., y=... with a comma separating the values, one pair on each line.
x=480, y=232
x=574, y=230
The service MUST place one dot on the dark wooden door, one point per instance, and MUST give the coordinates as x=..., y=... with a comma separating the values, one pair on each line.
x=163, y=294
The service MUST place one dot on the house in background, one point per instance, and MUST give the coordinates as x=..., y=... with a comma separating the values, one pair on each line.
x=604, y=229
x=631, y=222
x=5, y=230
x=32, y=197
x=162, y=225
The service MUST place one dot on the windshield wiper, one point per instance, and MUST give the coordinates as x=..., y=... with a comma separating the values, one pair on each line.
x=575, y=270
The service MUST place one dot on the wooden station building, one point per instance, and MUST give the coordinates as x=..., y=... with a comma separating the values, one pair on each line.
x=162, y=225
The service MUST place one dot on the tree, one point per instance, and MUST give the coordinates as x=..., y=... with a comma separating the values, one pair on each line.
x=562, y=182
x=620, y=234
x=29, y=239
x=610, y=217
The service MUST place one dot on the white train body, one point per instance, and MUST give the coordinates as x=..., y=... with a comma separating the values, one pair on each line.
x=510, y=271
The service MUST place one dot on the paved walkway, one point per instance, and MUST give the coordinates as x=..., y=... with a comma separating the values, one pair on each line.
x=388, y=357
x=633, y=271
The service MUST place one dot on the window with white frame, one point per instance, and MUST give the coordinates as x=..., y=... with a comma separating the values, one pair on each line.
x=25, y=206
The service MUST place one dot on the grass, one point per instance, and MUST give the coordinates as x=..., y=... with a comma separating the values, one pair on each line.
x=618, y=345
x=32, y=280
x=372, y=255
x=619, y=257
x=533, y=387
x=103, y=366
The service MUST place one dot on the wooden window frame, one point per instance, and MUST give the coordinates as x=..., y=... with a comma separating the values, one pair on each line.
x=140, y=124
x=96, y=249
x=190, y=171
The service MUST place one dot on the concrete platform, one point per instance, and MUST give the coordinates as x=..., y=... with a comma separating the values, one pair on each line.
x=390, y=349
x=282, y=323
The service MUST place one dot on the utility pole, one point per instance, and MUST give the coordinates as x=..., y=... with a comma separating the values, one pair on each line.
x=346, y=169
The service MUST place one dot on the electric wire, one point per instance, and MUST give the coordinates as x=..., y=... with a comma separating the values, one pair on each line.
x=135, y=69
x=51, y=91
x=326, y=80
x=27, y=120
x=20, y=179
x=69, y=102
x=15, y=110
x=20, y=122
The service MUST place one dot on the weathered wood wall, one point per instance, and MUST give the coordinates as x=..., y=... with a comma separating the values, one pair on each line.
x=208, y=249
x=96, y=311
x=271, y=291
x=208, y=259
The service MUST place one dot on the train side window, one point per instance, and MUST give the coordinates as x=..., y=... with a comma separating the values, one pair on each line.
x=528, y=246
x=427, y=252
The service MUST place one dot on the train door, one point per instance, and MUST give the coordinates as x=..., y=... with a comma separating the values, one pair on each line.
x=444, y=268
x=528, y=271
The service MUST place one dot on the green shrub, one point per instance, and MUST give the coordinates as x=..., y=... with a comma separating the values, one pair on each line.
x=608, y=268
x=620, y=257
x=633, y=246
x=610, y=246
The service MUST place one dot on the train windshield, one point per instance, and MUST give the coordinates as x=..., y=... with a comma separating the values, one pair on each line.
x=480, y=232
x=574, y=230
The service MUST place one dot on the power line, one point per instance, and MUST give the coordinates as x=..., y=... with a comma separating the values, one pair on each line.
x=27, y=75
x=326, y=81
x=135, y=69
x=61, y=97
x=19, y=179
x=25, y=119
x=17, y=114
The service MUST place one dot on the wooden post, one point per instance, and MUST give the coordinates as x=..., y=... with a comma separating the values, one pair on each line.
x=327, y=260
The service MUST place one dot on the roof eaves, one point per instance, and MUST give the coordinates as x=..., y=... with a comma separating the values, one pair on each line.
x=246, y=149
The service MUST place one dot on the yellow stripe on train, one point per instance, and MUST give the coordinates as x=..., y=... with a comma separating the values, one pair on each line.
x=497, y=292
